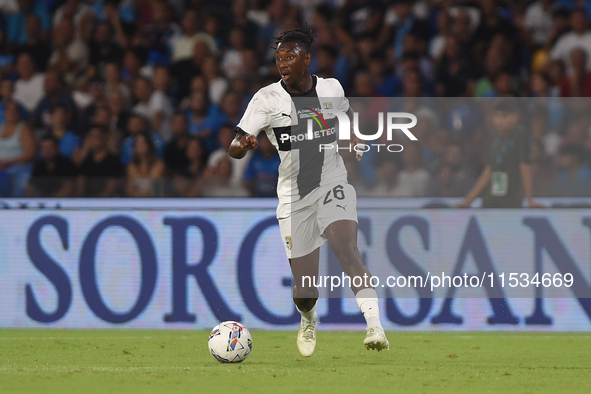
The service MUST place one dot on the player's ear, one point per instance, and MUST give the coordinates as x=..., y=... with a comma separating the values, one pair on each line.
x=308, y=59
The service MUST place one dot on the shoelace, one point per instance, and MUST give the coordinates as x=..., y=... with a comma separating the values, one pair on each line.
x=308, y=331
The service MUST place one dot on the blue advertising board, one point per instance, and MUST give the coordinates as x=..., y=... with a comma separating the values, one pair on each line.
x=190, y=269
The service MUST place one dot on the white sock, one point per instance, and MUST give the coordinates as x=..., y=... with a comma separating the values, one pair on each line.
x=311, y=315
x=367, y=299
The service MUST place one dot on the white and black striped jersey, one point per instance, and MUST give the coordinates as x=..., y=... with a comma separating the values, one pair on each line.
x=284, y=117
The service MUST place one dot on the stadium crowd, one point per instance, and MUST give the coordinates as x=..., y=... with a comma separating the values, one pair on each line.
x=141, y=97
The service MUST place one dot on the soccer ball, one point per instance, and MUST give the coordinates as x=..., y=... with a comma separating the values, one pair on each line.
x=230, y=342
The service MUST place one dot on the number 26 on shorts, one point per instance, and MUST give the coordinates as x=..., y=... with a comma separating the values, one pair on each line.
x=337, y=192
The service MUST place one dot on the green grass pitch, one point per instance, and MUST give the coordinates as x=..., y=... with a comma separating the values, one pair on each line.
x=122, y=361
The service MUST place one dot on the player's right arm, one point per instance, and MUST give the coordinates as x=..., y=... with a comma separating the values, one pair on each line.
x=242, y=144
x=255, y=118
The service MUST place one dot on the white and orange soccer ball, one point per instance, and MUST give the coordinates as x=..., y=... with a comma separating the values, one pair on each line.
x=230, y=342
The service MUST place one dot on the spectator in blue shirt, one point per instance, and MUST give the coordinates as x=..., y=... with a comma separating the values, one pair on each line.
x=137, y=124
x=571, y=162
x=16, y=23
x=69, y=142
x=55, y=95
x=387, y=84
x=262, y=172
x=204, y=119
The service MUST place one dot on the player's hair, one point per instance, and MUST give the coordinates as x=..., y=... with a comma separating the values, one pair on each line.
x=302, y=36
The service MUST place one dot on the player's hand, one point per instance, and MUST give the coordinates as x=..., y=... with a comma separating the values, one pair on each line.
x=248, y=142
x=357, y=142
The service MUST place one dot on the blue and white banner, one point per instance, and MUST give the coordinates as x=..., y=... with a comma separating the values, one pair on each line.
x=214, y=203
x=190, y=269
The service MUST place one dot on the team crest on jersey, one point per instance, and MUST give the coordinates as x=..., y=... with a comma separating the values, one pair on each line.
x=288, y=242
x=327, y=105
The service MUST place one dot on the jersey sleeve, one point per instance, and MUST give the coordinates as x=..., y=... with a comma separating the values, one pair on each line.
x=257, y=115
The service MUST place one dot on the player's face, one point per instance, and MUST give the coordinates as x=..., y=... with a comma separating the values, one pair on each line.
x=292, y=62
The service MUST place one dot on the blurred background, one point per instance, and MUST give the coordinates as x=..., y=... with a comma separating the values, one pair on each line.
x=140, y=98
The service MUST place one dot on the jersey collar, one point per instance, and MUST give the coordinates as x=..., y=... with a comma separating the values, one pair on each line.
x=314, y=80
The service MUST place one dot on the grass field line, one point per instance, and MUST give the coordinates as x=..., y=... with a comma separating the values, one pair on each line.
x=95, y=337
x=392, y=333
x=88, y=369
x=121, y=361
